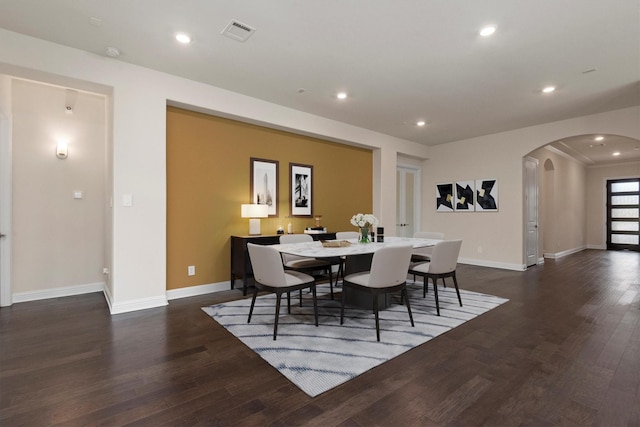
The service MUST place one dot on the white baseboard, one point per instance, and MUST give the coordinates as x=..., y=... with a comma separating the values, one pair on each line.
x=492, y=264
x=599, y=247
x=557, y=255
x=136, y=304
x=65, y=291
x=108, y=297
x=192, y=291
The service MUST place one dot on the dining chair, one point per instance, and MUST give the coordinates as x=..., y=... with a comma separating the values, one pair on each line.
x=270, y=276
x=347, y=235
x=424, y=253
x=344, y=235
x=388, y=274
x=305, y=264
x=444, y=260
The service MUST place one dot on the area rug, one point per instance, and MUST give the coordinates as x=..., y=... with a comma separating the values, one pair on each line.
x=317, y=359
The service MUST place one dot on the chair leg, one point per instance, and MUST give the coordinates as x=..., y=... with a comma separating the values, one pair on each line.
x=404, y=295
x=435, y=291
x=315, y=302
x=275, y=323
x=425, y=283
x=455, y=283
x=289, y=302
x=375, y=312
x=330, y=282
x=344, y=300
x=253, y=302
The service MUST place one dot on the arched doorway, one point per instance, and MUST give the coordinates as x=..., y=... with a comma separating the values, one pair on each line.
x=572, y=189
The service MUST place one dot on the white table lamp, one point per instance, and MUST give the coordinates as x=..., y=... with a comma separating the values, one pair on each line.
x=254, y=213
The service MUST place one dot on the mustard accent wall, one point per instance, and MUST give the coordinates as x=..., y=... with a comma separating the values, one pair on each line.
x=208, y=170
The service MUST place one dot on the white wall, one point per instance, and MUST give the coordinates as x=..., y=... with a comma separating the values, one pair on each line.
x=500, y=234
x=58, y=241
x=139, y=97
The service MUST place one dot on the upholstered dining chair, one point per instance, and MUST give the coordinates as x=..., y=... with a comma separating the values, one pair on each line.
x=347, y=235
x=305, y=264
x=424, y=253
x=444, y=260
x=344, y=235
x=388, y=274
x=270, y=276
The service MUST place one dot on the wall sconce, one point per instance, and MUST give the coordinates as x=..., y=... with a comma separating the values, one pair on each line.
x=61, y=150
x=254, y=212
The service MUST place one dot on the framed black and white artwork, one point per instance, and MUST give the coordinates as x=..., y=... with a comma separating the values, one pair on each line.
x=301, y=189
x=486, y=195
x=264, y=184
x=464, y=196
x=444, y=197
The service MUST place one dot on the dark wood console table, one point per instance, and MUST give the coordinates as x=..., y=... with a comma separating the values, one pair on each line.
x=240, y=263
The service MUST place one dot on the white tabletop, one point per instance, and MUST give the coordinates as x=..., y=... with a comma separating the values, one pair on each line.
x=316, y=250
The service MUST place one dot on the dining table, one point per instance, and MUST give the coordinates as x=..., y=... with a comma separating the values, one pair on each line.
x=329, y=249
x=357, y=257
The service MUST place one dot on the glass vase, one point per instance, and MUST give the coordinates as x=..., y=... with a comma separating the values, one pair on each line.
x=364, y=235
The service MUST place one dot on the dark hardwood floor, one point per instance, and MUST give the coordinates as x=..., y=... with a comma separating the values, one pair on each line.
x=565, y=350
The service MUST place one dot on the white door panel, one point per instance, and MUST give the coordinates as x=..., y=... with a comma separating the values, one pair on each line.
x=531, y=210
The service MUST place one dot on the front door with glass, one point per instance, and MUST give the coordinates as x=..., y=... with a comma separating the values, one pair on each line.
x=623, y=214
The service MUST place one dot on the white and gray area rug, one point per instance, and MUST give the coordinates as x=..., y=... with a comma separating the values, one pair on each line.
x=316, y=359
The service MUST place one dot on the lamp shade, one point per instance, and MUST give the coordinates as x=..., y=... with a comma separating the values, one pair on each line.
x=254, y=211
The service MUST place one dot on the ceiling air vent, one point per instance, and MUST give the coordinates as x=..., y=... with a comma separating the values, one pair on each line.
x=238, y=31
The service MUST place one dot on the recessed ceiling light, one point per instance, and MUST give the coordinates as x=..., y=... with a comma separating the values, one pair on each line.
x=488, y=30
x=548, y=89
x=616, y=153
x=421, y=123
x=598, y=138
x=341, y=95
x=183, y=38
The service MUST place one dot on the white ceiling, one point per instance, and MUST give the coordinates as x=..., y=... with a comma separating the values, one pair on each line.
x=399, y=61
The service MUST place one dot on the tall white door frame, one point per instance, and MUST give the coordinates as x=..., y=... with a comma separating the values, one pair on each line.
x=5, y=211
x=531, y=191
x=408, y=222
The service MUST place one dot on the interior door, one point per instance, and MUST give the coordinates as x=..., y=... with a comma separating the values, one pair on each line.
x=5, y=213
x=407, y=200
x=531, y=210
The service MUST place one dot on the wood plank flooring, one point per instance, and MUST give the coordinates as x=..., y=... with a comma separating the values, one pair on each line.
x=565, y=350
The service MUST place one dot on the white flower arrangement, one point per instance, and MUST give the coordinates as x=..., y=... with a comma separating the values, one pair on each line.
x=364, y=220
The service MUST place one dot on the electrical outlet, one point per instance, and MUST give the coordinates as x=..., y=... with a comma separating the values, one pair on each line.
x=191, y=270
x=105, y=271
x=479, y=249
